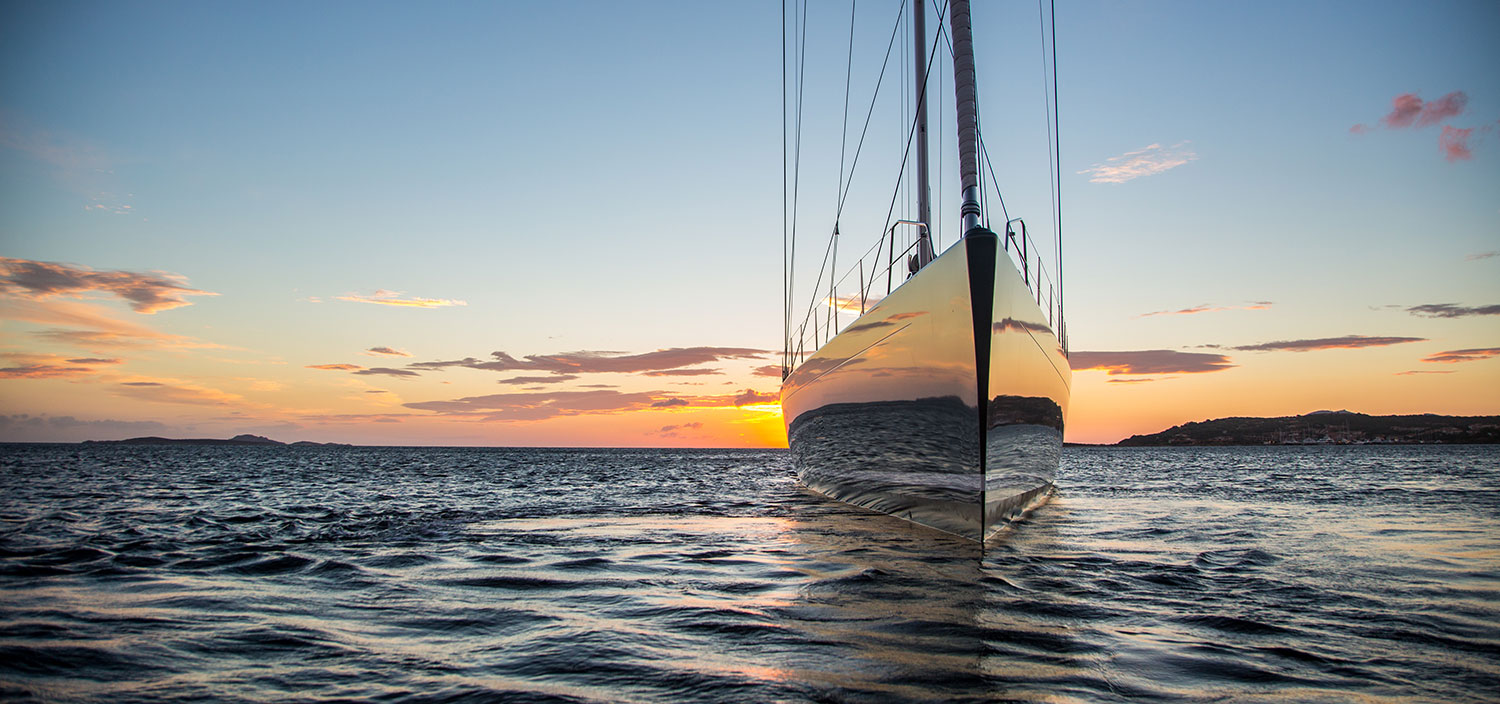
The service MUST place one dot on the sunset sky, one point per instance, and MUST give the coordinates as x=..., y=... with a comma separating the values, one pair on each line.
x=501, y=223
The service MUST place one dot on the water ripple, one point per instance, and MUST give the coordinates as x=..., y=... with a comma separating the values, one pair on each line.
x=440, y=575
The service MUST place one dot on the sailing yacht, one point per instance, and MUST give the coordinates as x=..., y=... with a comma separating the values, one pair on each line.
x=944, y=401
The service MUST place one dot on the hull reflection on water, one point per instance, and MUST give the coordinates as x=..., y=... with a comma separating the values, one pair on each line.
x=943, y=405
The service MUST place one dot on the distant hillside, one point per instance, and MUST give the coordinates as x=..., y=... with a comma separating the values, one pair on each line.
x=1328, y=428
x=247, y=439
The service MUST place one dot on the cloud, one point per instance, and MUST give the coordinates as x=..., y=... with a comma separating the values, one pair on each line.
x=393, y=298
x=1149, y=362
x=1206, y=308
x=1148, y=161
x=1408, y=110
x=682, y=372
x=670, y=403
x=1452, y=310
x=750, y=397
x=387, y=371
x=1469, y=355
x=1328, y=343
x=1131, y=381
x=36, y=428
x=170, y=391
x=538, y=405
x=1424, y=371
x=1454, y=143
x=845, y=304
x=336, y=367
x=387, y=351
x=1481, y=255
x=147, y=293
x=588, y=362
x=43, y=371
x=48, y=366
x=555, y=379
x=670, y=431
x=771, y=370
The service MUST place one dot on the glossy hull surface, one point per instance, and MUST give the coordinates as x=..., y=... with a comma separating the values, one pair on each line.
x=943, y=405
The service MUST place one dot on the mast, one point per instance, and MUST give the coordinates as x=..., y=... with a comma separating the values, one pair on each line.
x=966, y=95
x=924, y=208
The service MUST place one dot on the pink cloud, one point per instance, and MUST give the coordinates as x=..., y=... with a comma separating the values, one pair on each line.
x=336, y=367
x=1404, y=111
x=1454, y=143
x=1443, y=108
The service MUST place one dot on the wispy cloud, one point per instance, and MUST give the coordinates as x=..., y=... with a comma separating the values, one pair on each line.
x=393, y=298
x=590, y=362
x=387, y=371
x=24, y=426
x=750, y=397
x=48, y=366
x=174, y=391
x=336, y=367
x=1481, y=255
x=1149, y=362
x=771, y=370
x=671, y=431
x=554, y=379
x=1328, y=343
x=99, y=327
x=1452, y=310
x=670, y=403
x=1206, y=308
x=538, y=405
x=1151, y=160
x=682, y=372
x=1469, y=355
x=386, y=351
x=1414, y=372
x=844, y=304
x=147, y=292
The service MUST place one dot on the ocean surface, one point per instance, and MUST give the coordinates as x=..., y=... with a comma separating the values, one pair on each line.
x=1336, y=574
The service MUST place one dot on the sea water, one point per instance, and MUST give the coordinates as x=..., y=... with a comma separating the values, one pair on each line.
x=131, y=573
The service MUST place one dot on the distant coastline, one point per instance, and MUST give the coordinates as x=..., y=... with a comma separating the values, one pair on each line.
x=1328, y=428
x=238, y=440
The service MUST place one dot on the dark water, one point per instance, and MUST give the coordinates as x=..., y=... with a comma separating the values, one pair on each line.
x=276, y=574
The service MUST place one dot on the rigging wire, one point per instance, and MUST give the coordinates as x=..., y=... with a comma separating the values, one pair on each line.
x=801, y=28
x=1057, y=147
x=879, y=81
x=905, y=157
x=844, y=136
x=786, y=294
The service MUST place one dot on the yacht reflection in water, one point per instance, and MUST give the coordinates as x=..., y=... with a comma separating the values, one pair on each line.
x=943, y=405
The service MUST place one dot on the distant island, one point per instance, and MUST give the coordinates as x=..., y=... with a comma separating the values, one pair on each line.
x=241, y=440
x=1329, y=428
